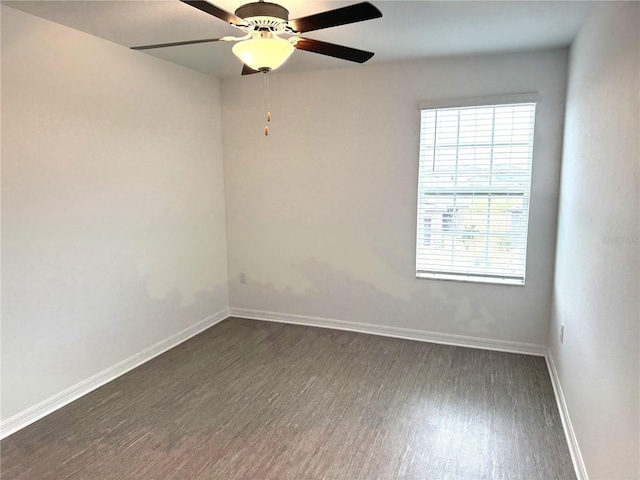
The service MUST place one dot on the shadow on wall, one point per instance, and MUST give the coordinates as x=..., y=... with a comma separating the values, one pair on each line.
x=462, y=308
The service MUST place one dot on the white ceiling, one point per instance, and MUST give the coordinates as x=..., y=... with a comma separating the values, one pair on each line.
x=407, y=30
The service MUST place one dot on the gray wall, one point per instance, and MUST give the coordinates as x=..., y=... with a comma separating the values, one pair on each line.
x=321, y=214
x=113, y=228
x=597, y=280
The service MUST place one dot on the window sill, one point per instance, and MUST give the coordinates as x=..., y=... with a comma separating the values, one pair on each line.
x=470, y=279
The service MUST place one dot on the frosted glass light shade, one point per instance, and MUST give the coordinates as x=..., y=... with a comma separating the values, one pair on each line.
x=263, y=53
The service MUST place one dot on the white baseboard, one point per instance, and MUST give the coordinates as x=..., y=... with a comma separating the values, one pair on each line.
x=50, y=405
x=395, y=332
x=572, y=441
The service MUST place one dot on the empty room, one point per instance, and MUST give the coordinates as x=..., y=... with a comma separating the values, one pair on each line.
x=320, y=240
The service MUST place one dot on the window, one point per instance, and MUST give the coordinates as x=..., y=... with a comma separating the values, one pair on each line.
x=473, y=192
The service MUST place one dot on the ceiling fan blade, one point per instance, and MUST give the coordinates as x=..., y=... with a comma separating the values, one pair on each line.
x=175, y=44
x=216, y=12
x=247, y=70
x=333, y=50
x=332, y=18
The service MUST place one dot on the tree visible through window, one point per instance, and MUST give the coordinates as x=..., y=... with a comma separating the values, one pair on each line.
x=473, y=192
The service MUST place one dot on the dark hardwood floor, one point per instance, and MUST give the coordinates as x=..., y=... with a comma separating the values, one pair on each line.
x=258, y=400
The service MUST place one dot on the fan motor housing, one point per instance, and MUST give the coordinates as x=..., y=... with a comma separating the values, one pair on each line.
x=263, y=9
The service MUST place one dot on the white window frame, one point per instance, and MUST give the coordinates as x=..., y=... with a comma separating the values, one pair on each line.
x=528, y=98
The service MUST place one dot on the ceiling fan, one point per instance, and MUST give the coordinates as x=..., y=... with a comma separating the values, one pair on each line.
x=262, y=48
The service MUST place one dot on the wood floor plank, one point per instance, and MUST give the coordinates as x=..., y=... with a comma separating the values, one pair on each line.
x=256, y=400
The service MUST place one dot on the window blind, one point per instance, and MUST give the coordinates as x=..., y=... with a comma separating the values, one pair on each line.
x=473, y=192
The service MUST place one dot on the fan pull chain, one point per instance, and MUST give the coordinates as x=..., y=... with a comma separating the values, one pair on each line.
x=266, y=102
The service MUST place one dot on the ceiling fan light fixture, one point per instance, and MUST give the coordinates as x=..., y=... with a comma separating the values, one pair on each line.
x=263, y=54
